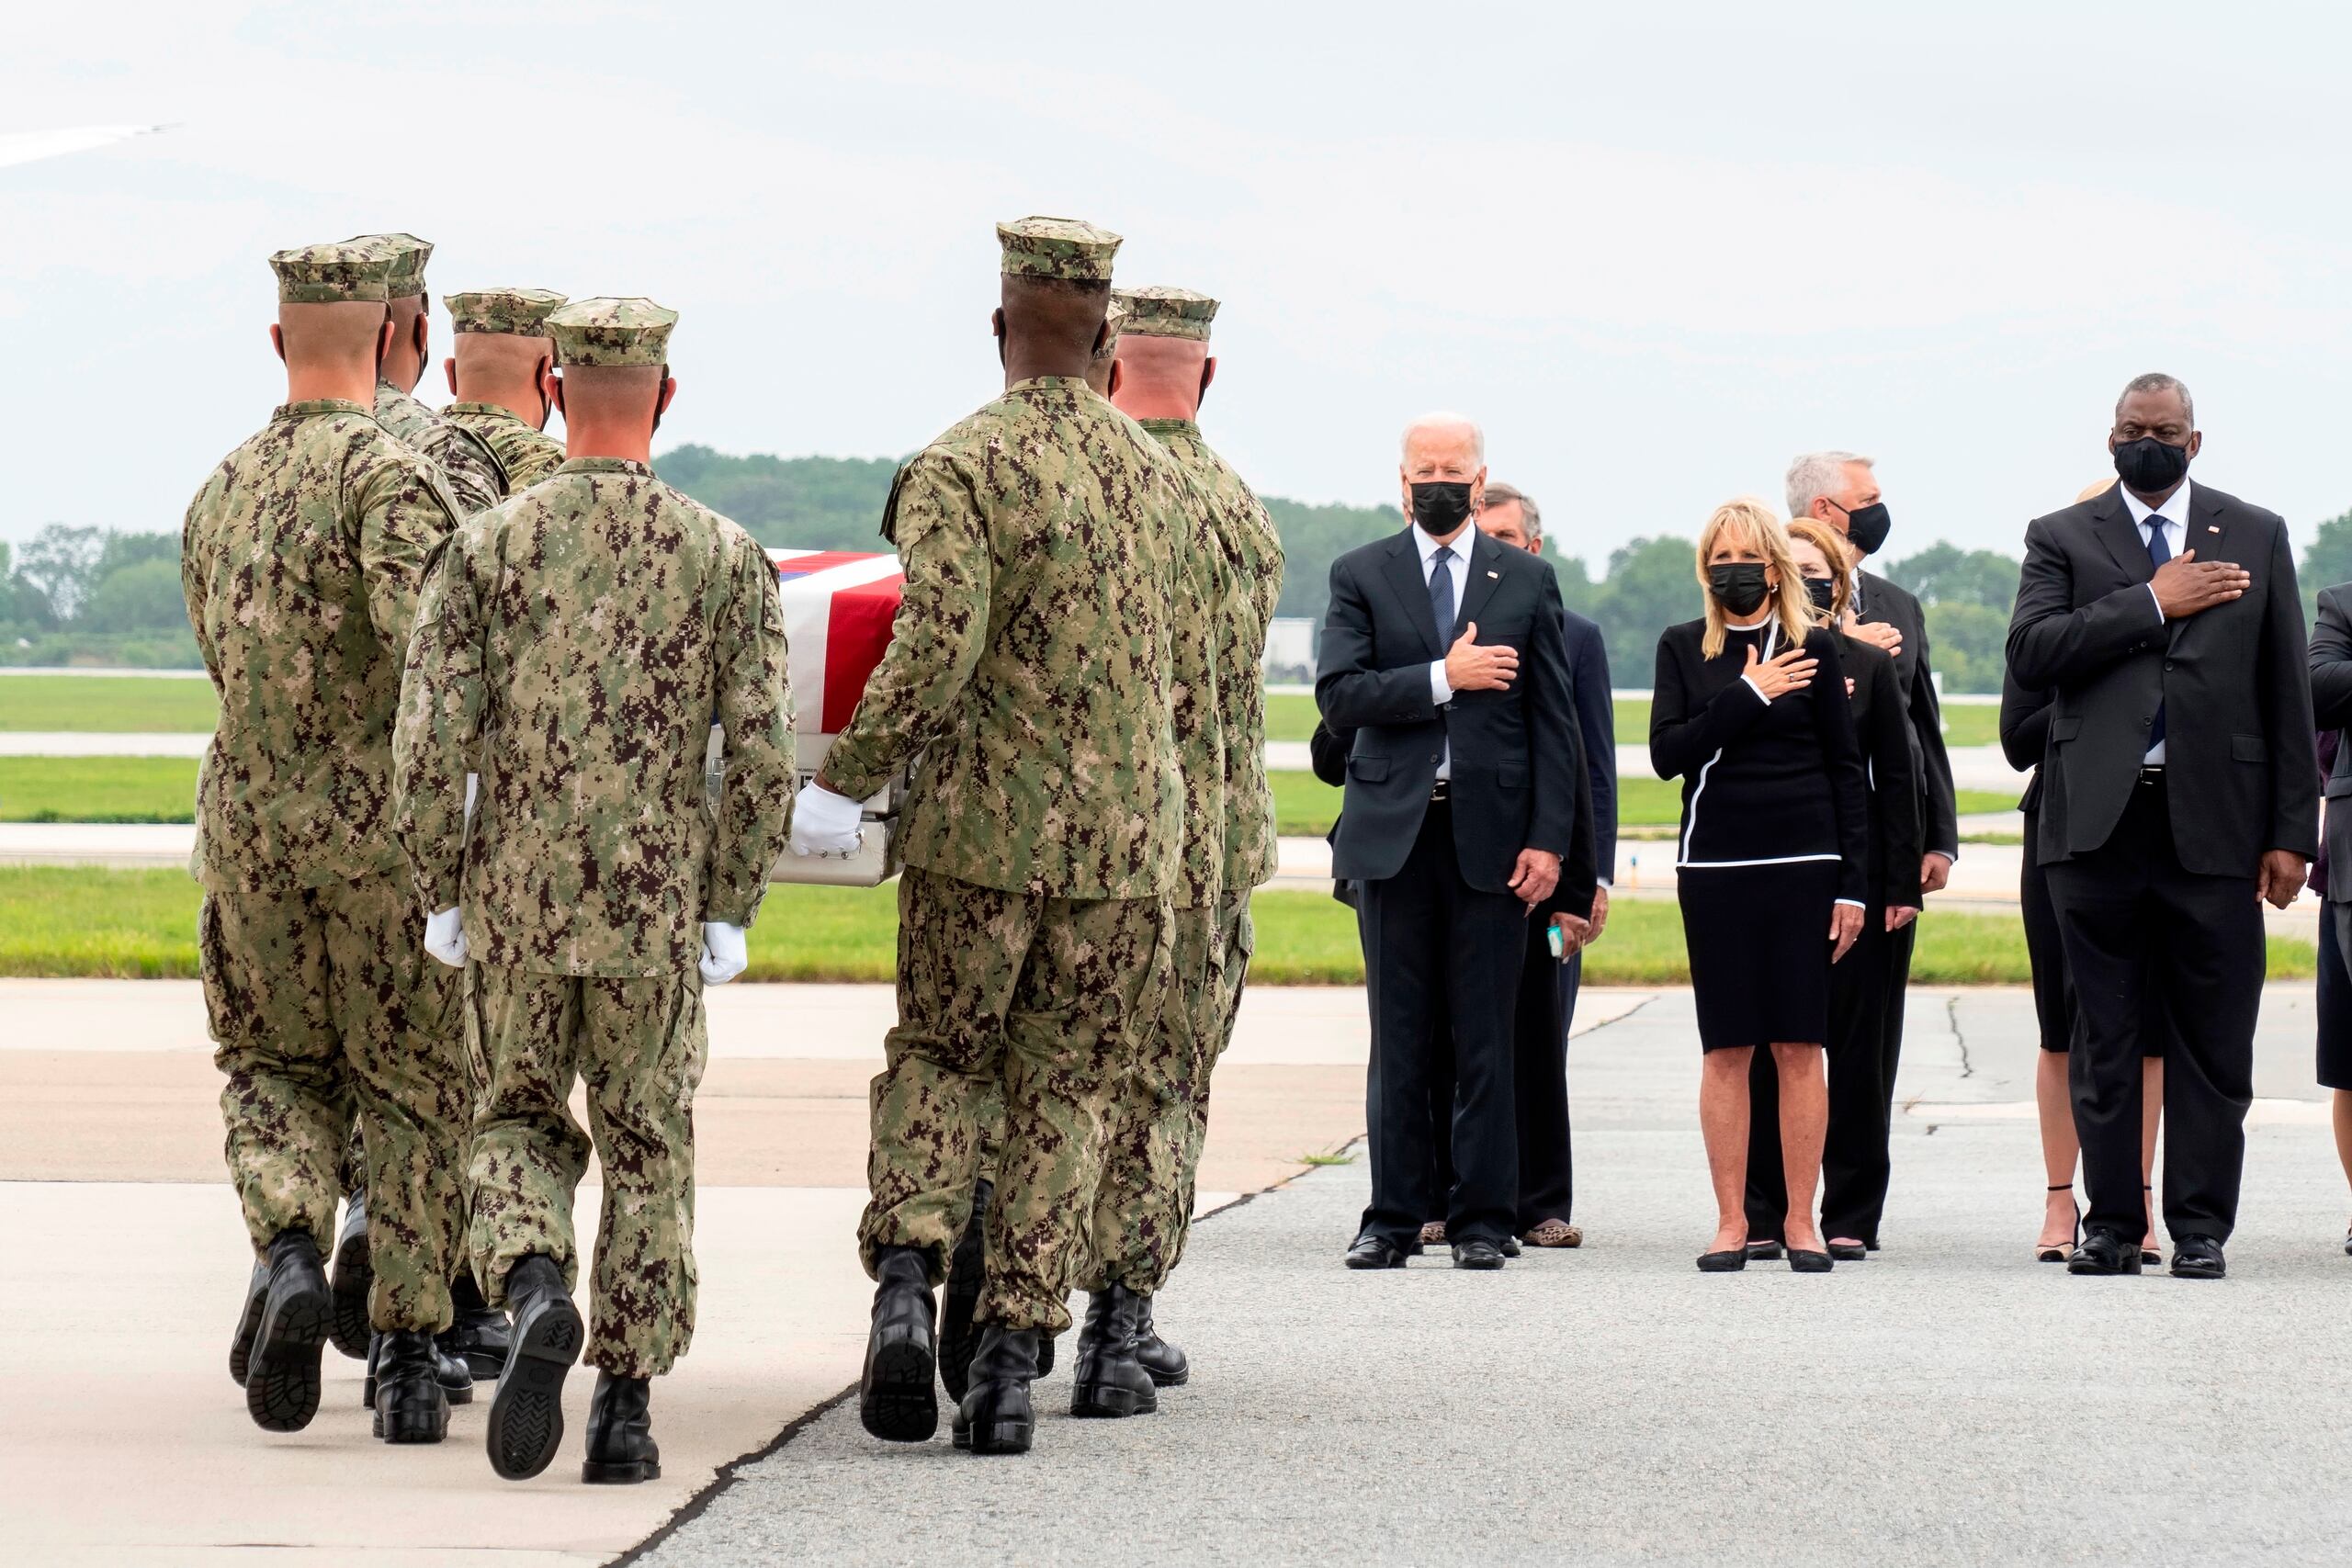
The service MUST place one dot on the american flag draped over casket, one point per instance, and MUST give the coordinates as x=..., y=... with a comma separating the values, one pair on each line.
x=838, y=605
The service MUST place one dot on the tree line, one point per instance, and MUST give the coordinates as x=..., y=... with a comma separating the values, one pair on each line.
x=88, y=595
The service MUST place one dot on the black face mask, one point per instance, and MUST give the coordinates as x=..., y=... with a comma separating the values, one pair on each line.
x=1738, y=586
x=2149, y=465
x=1867, y=526
x=1823, y=592
x=1441, y=506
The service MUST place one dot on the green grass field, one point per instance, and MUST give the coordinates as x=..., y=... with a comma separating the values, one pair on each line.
x=1290, y=716
x=97, y=789
x=114, y=703
x=59, y=921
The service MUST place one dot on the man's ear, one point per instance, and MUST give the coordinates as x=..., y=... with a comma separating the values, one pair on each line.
x=995, y=325
x=2196, y=440
x=277, y=339
x=1208, y=374
x=668, y=392
x=1478, y=488
x=383, y=344
x=450, y=365
x=421, y=334
x=1118, y=379
x=551, y=384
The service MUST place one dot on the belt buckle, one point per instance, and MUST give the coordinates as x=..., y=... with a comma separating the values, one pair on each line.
x=2151, y=775
x=1441, y=789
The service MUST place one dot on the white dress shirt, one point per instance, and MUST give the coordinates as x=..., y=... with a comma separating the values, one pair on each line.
x=2173, y=518
x=1458, y=568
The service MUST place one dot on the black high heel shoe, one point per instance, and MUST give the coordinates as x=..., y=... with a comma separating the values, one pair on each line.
x=2060, y=1254
x=2149, y=1257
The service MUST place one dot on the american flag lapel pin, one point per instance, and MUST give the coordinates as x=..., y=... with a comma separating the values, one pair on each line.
x=2209, y=528
x=1498, y=575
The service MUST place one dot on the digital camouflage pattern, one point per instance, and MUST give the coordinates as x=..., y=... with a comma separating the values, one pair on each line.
x=612, y=332
x=525, y=456
x=640, y=1046
x=323, y=1006
x=510, y=312
x=464, y=462
x=1252, y=585
x=1158, y=312
x=301, y=559
x=332, y=275
x=1140, y=1207
x=407, y=255
x=574, y=648
x=1067, y=248
x=1045, y=1001
x=1029, y=665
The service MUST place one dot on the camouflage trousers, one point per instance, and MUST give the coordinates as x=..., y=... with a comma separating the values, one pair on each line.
x=1037, y=1005
x=640, y=1046
x=1143, y=1209
x=324, y=1005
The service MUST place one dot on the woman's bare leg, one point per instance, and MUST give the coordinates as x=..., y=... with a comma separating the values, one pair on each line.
x=1722, y=1122
x=2060, y=1148
x=1804, y=1122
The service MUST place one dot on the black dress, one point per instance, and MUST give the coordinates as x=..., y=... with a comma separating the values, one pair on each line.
x=1775, y=829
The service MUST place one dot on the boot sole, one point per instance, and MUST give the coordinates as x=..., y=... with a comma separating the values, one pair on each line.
x=526, y=1417
x=596, y=1474
x=897, y=1403
x=241, y=1348
x=1097, y=1402
x=1169, y=1380
x=451, y=1397
x=996, y=1437
x=282, y=1375
x=351, y=1278
x=431, y=1428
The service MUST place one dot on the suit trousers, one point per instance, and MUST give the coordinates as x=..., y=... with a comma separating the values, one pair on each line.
x=1440, y=954
x=2146, y=938
x=1547, y=1007
x=1854, y=1163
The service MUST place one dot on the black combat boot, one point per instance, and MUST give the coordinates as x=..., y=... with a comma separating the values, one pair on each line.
x=456, y=1379
x=967, y=1272
x=526, y=1415
x=282, y=1369
x=621, y=1432
x=478, y=1333
x=241, y=1345
x=410, y=1404
x=1165, y=1362
x=995, y=1417
x=896, y=1398
x=1108, y=1380
x=355, y=1275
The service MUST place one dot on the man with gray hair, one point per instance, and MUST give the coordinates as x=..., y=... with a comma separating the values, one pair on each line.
x=1838, y=489
x=1444, y=663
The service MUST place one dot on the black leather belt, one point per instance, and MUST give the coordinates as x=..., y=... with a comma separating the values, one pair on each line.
x=1442, y=789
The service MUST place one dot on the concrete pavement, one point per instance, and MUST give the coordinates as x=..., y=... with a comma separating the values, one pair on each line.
x=1948, y=1400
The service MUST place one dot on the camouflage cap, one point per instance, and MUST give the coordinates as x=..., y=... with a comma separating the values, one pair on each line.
x=1155, y=312
x=1056, y=247
x=518, y=313
x=612, y=332
x=408, y=256
x=330, y=275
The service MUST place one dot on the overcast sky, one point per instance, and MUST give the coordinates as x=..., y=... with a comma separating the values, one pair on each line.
x=1656, y=257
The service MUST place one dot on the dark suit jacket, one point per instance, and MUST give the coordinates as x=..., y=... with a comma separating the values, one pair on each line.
x=1597, y=728
x=1518, y=778
x=2024, y=733
x=2240, y=772
x=1883, y=728
x=2331, y=659
x=1931, y=766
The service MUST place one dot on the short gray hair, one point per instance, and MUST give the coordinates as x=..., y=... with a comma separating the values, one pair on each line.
x=1817, y=474
x=1514, y=496
x=1442, y=419
x=2157, y=381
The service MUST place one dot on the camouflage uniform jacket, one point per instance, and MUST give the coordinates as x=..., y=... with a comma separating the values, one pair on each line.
x=1030, y=663
x=1252, y=582
x=575, y=646
x=524, y=456
x=301, y=559
x=464, y=461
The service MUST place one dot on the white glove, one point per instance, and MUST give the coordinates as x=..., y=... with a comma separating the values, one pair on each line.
x=445, y=938
x=824, y=823
x=723, y=954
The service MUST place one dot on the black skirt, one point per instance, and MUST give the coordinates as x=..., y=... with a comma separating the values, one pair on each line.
x=1758, y=937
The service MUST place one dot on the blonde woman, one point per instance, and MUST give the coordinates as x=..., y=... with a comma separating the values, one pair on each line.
x=1854, y=1164
x=1749, y=711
